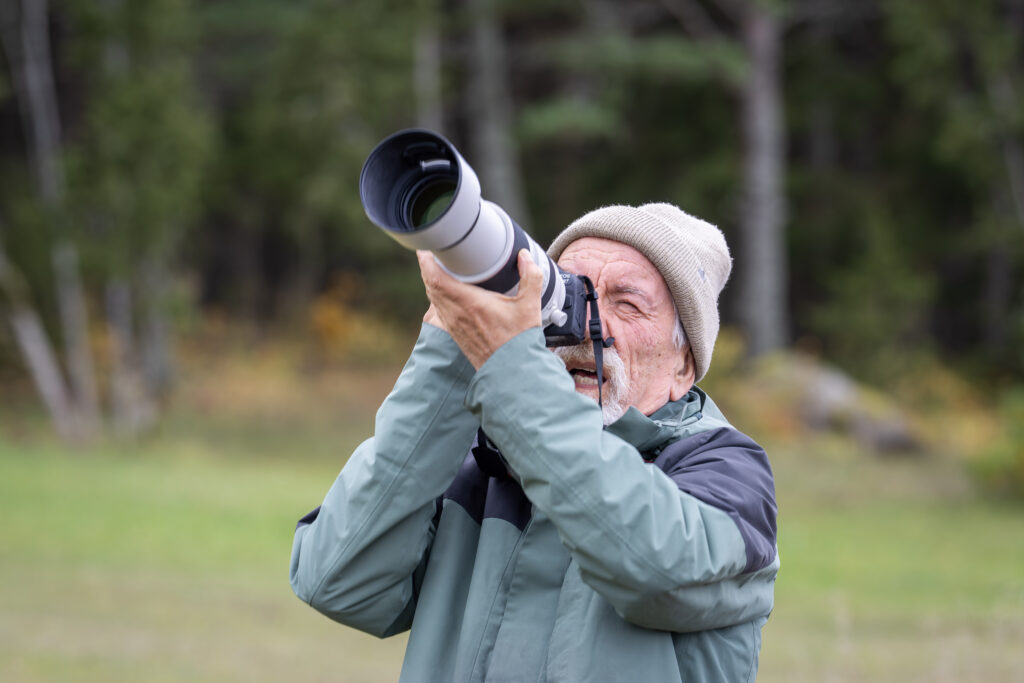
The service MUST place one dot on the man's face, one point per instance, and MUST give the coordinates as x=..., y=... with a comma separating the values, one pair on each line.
x=636, y=308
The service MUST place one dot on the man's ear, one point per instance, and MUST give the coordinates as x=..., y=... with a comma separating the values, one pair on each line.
x=682, y=379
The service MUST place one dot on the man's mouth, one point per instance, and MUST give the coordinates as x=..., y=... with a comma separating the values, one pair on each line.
x=586, y=378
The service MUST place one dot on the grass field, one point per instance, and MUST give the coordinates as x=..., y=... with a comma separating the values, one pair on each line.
x=167, y=560
x=163, y=565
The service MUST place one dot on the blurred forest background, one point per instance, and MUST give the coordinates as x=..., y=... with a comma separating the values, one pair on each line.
x=198, y=320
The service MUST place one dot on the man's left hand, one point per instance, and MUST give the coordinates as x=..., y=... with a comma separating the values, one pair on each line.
x=481, y=321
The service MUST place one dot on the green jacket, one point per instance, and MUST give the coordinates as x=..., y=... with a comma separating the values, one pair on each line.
x=644, y=551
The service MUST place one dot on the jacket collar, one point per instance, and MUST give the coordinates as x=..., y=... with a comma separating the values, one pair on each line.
x=650, y=434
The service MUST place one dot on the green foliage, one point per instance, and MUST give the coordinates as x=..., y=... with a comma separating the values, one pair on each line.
x=962, y=66
x=229, y=135
x=895, y=130
x=959, y=57
x=1001, y=466
x=5, y=86
x=27, y=235
x=328, y=83
x=562, y=119
x=873, y=310
x=136, y=168
x=664, y=58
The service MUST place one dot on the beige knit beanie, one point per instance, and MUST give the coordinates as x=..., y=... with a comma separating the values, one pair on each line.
x=690, y=254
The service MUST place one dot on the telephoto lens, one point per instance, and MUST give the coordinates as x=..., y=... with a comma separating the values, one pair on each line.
x=417, y=187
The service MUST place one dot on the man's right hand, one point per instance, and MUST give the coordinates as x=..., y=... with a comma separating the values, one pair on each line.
x=479, y=320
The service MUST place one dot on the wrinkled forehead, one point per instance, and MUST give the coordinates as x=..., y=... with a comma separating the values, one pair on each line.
x=613, y=264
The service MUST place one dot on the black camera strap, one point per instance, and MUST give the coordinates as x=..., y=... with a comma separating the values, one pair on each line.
x=594, y=327
x=488, y=458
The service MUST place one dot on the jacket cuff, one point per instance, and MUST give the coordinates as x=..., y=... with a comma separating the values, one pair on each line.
x=442, y=350
x=519, y=376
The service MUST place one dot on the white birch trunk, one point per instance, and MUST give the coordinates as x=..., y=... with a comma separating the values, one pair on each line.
x=141, y=370
x=999, y=277
x=27, y=42
x=489, y=107
x=33, y=77
x=25, y=37
x=427, y=72
x=158, y=367
x=35, y=347
x=133, y=410
x=762, y=306
x=75, y=326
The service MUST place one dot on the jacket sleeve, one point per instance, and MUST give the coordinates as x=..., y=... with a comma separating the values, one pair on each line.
x=355, y=558
x=663, y=558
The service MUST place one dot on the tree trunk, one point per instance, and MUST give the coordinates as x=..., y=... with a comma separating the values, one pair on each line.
x=998, y=291
x=427, y=71
x=141, y=374
x=762, y=297
x=133, y=411
x=37, y=351
x=26, y=40
x=75, y=326
x=999, y=90
x=822, y=145
x=489, y=109
x=997, y=298
x=158, y=367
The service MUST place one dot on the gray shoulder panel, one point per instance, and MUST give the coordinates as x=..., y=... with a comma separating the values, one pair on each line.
x=728, y=470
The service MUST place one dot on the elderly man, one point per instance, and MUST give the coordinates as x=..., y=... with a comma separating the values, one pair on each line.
x=635, y=541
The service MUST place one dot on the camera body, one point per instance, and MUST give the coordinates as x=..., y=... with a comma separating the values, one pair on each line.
x=574, y=330
x=417, y=187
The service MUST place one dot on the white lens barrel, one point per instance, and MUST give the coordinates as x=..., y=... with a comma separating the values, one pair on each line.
x=473, y=239
x=467, y=256
x=482, y=251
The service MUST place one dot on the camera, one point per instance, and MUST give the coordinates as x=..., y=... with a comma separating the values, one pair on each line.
x=417, y=187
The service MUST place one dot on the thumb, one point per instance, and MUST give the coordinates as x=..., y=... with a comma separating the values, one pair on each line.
x=531, y=278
